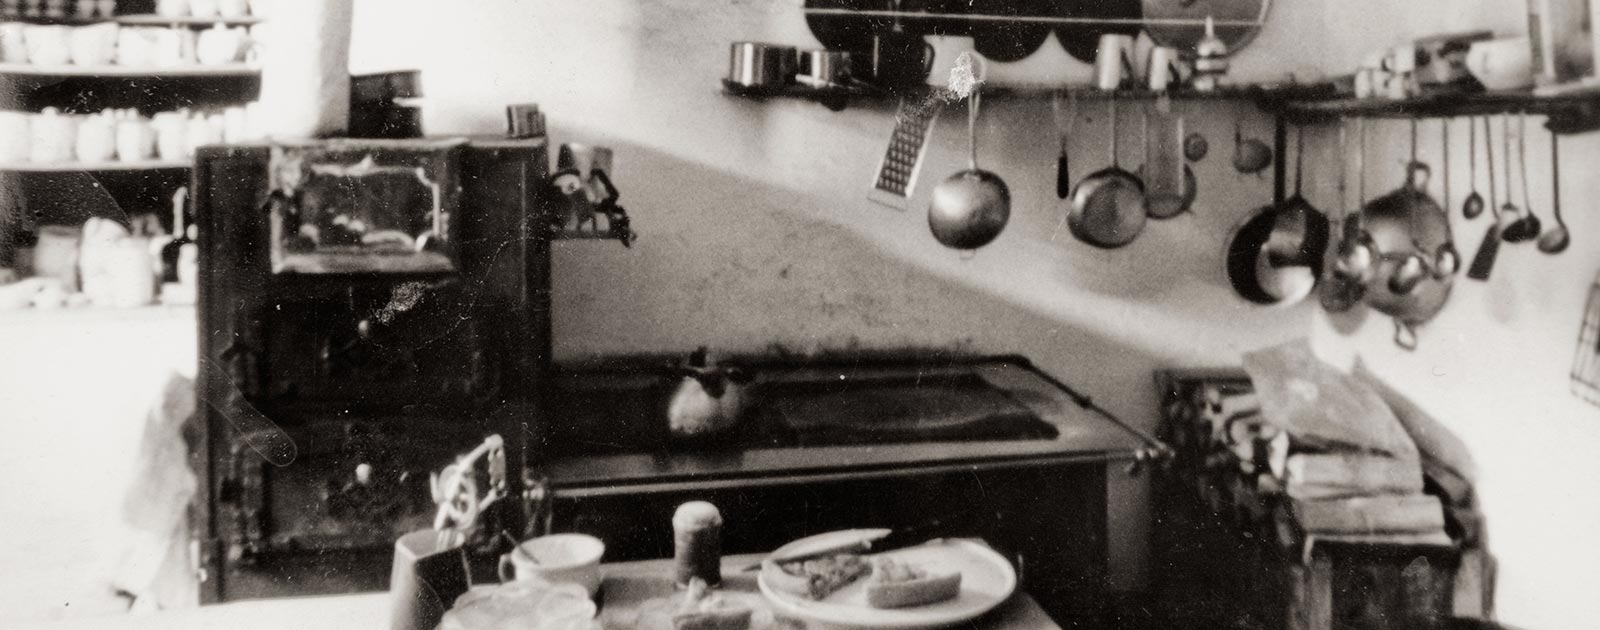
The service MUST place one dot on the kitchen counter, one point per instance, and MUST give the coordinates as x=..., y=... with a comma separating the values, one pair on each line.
x=628, y=584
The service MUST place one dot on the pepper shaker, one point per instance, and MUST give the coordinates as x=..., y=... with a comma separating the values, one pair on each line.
x=697, y=543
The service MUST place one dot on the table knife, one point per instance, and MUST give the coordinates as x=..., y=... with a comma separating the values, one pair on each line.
x=898, y=538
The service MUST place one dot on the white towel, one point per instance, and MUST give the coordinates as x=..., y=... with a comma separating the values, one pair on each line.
x=305, y=69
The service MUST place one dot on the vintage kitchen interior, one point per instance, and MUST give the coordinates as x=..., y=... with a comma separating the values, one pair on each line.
x=875, y=314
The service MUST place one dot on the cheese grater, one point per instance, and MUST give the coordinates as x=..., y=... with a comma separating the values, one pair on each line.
x=897, y=173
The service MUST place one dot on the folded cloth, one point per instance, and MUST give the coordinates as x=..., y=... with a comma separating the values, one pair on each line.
x=1322, y=407
x=154, y=562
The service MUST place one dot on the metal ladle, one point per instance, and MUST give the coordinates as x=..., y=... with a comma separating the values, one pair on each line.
x=1531, y=227
x=1473, y=206
x=970, y=208
x=1510, y=215
x=1555, y=241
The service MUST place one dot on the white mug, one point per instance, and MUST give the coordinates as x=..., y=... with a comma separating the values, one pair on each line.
x=1502, y=64
x=13, y=42
x=47, y=44
x=135, y=47
x=136, y=141
x=53, y=137
x=94, y=45
x=219, y=45
x=97, y=138
x=172, y=47
x=171, y=131
x=1112, y=61
x=14, y=127
x=1163, y=70
x=947, y=52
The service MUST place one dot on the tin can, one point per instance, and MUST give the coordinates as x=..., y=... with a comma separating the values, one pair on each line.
x=697, y=543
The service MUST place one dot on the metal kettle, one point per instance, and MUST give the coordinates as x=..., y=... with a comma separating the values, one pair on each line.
x=710, y=399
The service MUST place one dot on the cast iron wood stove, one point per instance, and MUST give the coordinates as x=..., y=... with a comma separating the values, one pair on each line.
x=368, y=310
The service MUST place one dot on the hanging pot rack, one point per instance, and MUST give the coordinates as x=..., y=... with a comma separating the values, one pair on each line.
x=915, y=15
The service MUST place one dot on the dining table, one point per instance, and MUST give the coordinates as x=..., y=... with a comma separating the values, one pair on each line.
x=628, y=587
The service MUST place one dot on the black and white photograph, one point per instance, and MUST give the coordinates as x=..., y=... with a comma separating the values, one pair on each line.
x=799, y=314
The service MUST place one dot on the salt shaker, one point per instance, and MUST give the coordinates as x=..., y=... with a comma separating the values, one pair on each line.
x=697, y=543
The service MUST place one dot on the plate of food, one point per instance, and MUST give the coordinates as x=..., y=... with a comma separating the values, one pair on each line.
x=944, y=582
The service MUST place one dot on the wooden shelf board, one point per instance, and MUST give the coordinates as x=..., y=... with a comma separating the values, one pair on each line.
x=72, y=167
x=159, y=20
x=69, y=70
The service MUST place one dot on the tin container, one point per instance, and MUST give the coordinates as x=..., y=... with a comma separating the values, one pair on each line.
x=754, y=64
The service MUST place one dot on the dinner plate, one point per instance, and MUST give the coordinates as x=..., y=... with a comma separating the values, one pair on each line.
x=987, y=579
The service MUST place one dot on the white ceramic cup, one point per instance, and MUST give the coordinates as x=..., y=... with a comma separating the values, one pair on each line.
x=171, y=132
x=172, y=47
x=1162, y=71
x=136, y=141
x=53, y=137
x=947, y=52
x=1113, y=62
x=94, y=45
x=220, y=45
x=172, y=8
x=135, y=48
x=47, y=44
x=556, y=558
x=1502, y=64
x=96, y=138
x=13, y=42
x=14, y=127
x=233, y=8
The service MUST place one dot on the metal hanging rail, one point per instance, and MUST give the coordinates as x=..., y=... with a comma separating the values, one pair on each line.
x=1258, y=22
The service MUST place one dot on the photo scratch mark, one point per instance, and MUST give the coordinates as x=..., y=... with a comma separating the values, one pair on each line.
x=256, y=430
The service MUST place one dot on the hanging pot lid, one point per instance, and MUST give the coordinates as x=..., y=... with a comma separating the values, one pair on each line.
x=1184, y=37
x=1081, y=40
x=849, y=32
x=1009, y=41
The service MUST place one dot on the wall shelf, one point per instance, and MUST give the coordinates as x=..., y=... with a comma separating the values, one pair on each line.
x=837, y=97
x=140, y=19
x=69, y=70
x=75, y=167
x=161, y=20
x=1569, y=113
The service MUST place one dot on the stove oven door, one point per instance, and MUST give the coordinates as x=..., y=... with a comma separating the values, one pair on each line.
x=327, y=522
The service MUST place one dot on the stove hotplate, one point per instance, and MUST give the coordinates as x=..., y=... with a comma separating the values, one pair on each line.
x=623, y=409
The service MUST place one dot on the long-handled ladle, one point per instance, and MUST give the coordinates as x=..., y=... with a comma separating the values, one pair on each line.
x=1555, y=241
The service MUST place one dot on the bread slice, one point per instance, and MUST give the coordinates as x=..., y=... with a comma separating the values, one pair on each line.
x=902, y=585
x=702, y=609
x=815, y=579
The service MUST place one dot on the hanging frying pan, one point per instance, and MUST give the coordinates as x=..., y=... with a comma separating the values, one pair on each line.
x=1108, y=206
x=1275, y=257
x=1185, y=36
x=1081, y=40
x=1007, y=41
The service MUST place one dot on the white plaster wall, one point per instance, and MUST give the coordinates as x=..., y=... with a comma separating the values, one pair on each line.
x=755, y=226
x=756, y=232
x=1493, y=366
